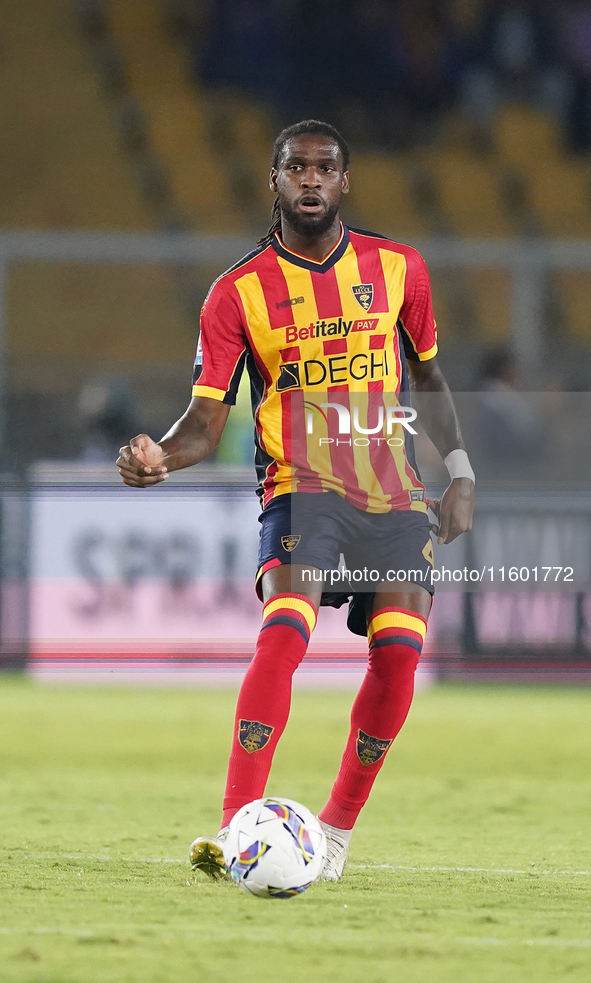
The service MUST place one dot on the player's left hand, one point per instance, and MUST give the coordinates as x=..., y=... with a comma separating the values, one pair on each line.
x=454, y=510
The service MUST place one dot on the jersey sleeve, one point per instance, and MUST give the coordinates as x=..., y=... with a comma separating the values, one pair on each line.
x=416, y=313
x=222, y=348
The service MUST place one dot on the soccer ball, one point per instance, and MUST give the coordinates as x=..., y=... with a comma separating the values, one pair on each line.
x=275, y=848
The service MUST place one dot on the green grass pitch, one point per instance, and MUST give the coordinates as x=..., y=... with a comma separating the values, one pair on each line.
x=470, y=863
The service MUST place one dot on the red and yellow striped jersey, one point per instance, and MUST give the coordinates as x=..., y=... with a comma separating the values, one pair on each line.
x=315, y=334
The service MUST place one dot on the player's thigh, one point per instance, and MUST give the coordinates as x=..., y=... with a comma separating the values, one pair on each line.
x=414, y=598
x=292, y=578
x=397, y=550
x=299, y=541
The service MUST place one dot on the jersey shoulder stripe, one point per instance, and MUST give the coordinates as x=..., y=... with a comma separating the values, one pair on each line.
x=370, y=235
x=389, y=243
x=254, y=254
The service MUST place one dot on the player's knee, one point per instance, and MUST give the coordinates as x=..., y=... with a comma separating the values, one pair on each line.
x=390, y=659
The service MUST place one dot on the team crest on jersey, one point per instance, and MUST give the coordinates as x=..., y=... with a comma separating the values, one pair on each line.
x=363, y=293
x=253, y=735
x=289, y=543
x=370, y=749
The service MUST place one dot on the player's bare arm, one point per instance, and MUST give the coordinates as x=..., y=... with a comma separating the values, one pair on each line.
x=145, y=462
x=456, y=507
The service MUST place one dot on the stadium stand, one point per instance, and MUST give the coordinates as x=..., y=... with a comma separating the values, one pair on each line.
x=560, y=197
x=62, y=167
x=572, y=292
x=158, y=75
x=215, y=142
x=394, y=210
x=490, y=289
x=243, y=133
x=523, y=135
x=557, y=184
x=470, y=194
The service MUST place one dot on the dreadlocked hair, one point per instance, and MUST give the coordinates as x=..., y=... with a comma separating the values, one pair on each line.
x=313, y=126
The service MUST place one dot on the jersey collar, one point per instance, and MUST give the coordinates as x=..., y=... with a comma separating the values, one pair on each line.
x=310, y=264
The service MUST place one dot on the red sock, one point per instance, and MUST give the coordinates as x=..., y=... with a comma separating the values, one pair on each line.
x=379, y=711
x=265, y=697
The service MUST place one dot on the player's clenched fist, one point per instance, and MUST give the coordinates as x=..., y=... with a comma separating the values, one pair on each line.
x=140, y=462
x=455, y=510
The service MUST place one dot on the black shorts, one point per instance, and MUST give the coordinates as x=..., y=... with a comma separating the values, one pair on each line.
x=316, y=529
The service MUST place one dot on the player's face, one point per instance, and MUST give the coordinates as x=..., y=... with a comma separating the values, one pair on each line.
x=309, y=181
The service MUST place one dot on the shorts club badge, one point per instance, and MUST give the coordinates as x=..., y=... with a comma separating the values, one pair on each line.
x=289, y=543
x=253, y=735
x=370, y=749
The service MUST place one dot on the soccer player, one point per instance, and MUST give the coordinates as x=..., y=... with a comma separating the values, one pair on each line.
x=324, y=317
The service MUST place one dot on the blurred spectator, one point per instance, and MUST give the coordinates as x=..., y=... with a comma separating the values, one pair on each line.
x=390, y=68
x=323, y=60
x=108, y=415
x=406, y=63
x=576, y=49
x=375, y=112
x=516, y=59
x=247, y=47
x=517, y=47
x=509, y=429
x=428, y=60
x=386, y=71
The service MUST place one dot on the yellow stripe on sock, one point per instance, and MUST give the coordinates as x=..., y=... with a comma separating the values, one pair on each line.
x=396, y=619
x=296, y=604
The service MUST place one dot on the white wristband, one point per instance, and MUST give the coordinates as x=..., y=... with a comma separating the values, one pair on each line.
x=458, y=465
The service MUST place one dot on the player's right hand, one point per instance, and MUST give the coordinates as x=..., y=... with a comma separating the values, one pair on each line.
x=140, y=462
